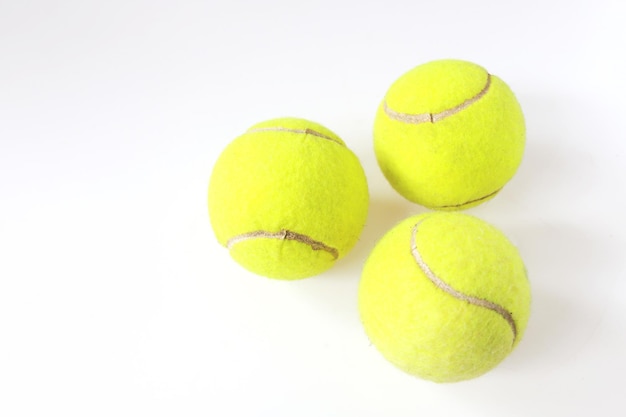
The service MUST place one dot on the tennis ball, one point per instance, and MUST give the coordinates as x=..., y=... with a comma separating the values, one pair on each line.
x=448, y=135
x=444, y=296
x=287, y=198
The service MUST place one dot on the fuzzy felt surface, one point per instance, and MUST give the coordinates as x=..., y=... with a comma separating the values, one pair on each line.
x=288, y=198
x=426, y=329
x=465, y=158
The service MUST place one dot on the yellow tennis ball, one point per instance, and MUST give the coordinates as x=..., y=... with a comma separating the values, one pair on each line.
x=288, y=198
x=444, y=296
x=448, y=135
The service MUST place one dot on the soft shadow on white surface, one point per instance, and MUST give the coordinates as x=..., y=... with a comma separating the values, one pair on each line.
x=557, y=175
x=571, y=270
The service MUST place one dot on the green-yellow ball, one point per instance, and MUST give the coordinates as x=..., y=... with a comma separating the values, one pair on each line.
x=448, y=135
x=288, y=198
x=444, y=296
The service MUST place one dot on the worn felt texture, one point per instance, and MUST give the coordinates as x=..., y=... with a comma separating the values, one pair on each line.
x=288, y=198
x=448, y=135
x=449, y=330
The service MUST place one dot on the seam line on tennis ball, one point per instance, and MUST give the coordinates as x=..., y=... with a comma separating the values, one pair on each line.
x=306, y=131
x=441, y=284
x=435, y=117
x=470, y=201
x=283, y=235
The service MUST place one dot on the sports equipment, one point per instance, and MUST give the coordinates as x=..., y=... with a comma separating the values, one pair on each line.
x=448, y=135
x=288, y=198
x=444, y=296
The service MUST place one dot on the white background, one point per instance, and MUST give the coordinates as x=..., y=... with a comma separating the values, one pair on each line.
x=115, y=298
